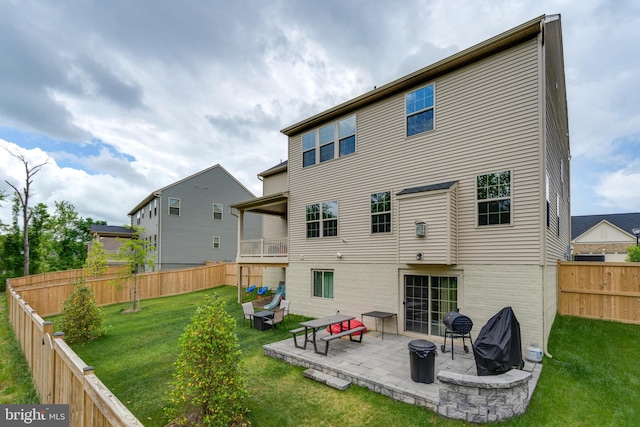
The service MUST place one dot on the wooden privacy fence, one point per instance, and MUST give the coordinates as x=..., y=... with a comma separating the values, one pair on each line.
x=59, y=374
x=600, y=290
x=47, y=297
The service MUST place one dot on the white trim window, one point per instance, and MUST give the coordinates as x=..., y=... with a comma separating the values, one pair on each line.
x=322, y=286
x=217, y=211
x=174, y=206
x=138, y=218
x=493, y=192
x=419, y=110
x=322, y=219
x=381, y=212
x=216, y=242
x=319, y=145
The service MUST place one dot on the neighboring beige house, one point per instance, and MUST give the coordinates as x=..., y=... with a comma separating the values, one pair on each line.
x=447, y=188
x=603, y=237
x=110, y=236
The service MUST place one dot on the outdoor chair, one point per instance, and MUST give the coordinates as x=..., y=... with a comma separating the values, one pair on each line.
x=284, y=306
x=278, y=317
x=248, y=310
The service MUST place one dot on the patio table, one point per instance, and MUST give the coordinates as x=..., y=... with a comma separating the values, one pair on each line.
x=381, y=315
x=258, y=319
x=323, y=322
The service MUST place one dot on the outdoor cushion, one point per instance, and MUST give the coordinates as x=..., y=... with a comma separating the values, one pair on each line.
x=345, y=325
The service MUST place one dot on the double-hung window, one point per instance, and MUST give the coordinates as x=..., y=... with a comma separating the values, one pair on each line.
x=217, y=211
x=327, y=146
x=174, y=206
x=494, y=198
x=381, y=212
x=347, y=135
x=216, y=242
x=323, y=283
x=322, y=219
x=419, y=106
x=320, y=145
x=309, y=149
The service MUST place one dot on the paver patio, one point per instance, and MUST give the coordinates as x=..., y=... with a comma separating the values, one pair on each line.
x=384, y=365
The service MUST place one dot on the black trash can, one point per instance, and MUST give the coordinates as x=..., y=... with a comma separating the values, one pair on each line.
x=422, y=360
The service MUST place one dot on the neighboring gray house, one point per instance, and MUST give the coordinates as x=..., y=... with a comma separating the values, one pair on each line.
x=189, y=222
x=446, y=188
x=604, y=237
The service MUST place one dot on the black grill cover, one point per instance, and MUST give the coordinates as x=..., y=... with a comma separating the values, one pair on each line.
x=497, y=348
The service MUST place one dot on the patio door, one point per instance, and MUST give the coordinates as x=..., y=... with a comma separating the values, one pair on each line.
x=427, y=300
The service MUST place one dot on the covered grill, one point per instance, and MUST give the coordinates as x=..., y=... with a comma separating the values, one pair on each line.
x=457, y=326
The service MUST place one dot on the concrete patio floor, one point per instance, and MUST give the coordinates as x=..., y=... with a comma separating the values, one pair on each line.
x=383, y=365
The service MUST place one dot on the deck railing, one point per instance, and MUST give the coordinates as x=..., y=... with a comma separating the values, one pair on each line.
x=264, y=247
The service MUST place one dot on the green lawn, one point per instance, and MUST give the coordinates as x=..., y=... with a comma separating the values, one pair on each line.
x=593, y=378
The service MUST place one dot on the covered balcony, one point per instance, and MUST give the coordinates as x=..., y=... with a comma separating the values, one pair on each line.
x=273, y=247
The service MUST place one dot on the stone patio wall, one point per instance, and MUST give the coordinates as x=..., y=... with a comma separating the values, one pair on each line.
x=483, y=399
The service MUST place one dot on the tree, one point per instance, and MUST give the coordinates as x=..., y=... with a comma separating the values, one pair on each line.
x=136, y=255
x=97, y=261
x=24, y=196
x=207, y=389
x=633, y=254
x=82, y=319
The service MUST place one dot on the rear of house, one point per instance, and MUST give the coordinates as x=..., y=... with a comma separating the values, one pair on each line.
x=445, y=189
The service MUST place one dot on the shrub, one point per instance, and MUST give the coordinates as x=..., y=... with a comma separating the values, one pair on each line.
x=633, y=254
x=207, y=388
x=81, y=316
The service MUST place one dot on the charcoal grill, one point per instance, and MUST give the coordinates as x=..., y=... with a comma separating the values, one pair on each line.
x=456, y=326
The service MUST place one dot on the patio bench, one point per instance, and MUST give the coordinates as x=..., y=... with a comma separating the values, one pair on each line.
x=349, y=332
x=295, y=333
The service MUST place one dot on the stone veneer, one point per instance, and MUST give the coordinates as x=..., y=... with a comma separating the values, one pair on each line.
x=483, y=399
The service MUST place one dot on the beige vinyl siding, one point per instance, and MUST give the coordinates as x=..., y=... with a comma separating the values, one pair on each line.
x=435, y=208
x=274, y=226
x=276, y=183
x=487, y=119
x=557, y=148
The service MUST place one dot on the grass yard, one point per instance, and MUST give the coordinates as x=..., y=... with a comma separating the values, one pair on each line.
x=593, y=378
x=16, y=385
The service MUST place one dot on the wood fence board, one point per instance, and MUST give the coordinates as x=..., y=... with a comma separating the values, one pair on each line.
x=599, y=290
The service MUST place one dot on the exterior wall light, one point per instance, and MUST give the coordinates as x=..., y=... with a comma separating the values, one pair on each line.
x=421, y=229
x=338, y=255
x=419, y=256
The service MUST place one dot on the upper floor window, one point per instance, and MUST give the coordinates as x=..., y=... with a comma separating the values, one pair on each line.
x=322, y=219
x=320, y=145
x=217, y=211
x=138, y=217
x=419, y=110
x=309, y=149
x=381, y=212
x=494, y=198
x=174, y=206
x=216, y=242
x=155, y=207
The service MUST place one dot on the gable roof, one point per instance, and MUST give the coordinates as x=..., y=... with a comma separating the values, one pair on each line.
x=489, y=47
x=625, y=221
x=159, y=191
x=110, y=230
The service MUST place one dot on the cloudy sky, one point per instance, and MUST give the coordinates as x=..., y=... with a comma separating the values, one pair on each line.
x=124, y=97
